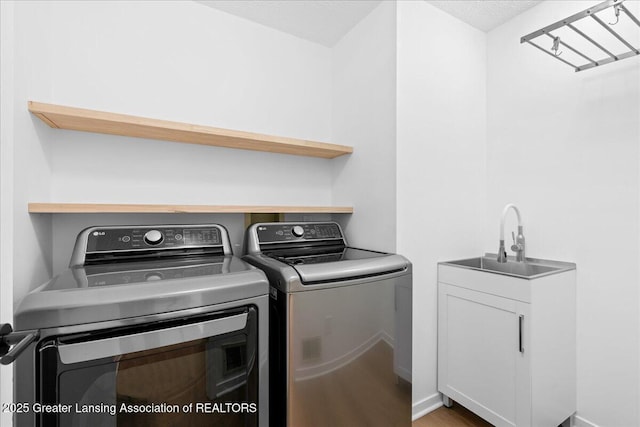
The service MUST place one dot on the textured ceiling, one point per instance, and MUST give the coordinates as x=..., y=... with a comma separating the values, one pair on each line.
x=485, y=15
x=321, y=21
x=327, y=21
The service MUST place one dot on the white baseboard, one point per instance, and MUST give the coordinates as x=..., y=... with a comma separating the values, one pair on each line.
x=578, y=421
x=433, y=402
x=426, y=405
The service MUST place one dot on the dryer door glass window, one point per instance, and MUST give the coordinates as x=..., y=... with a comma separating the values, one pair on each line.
x=208, y=381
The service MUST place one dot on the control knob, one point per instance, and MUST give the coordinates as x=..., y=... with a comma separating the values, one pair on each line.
x=153, y=237
x=297, y=231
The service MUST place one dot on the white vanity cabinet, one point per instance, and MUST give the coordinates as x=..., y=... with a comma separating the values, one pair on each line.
x=507, y=345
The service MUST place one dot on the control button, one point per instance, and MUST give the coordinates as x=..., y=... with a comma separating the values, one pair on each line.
x=153, y=237
x=297, y=231
x=126, y=239
x=178, y=237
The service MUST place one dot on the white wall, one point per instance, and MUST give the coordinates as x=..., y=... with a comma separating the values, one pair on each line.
x=187, y=62
x=32, y=66
x=179, y=61
x=363, y=115
x=6, y=189
x=563, y=146
x=440, y=163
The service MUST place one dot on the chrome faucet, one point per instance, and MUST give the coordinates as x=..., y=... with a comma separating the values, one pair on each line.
x=518, y=241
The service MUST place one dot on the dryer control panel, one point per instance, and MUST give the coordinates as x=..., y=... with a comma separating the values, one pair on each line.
x=115, y=239
x=160, y=240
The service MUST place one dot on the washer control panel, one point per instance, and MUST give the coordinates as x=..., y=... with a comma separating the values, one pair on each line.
x=276, y=232
x=112, y=239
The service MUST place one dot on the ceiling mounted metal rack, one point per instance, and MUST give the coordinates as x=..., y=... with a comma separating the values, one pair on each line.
x=570, y=27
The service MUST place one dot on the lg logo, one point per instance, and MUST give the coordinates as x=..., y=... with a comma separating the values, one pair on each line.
x=98, y=233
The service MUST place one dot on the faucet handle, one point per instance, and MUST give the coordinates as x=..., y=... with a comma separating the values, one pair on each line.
x=516, y=246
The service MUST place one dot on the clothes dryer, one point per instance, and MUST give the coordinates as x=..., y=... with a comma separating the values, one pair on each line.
x=151, y=325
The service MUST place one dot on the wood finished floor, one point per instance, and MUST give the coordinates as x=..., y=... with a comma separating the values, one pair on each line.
x=456, y=416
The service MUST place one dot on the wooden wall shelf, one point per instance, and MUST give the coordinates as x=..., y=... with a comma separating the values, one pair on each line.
x=63, y=117
x=146, y=208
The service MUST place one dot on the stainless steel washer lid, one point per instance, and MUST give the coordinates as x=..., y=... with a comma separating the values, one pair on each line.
x=71, y=299
x=324, y=272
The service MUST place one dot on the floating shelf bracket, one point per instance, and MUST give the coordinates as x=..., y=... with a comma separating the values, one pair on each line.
x=588, y=13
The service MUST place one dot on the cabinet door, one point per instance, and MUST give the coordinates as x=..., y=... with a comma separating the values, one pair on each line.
x=482, y=354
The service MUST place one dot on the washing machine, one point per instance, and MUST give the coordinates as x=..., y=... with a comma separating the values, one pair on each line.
x=150, y=326
x=340, y=327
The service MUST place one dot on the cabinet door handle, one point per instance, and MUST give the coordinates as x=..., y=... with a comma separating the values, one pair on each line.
x=520, y=323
